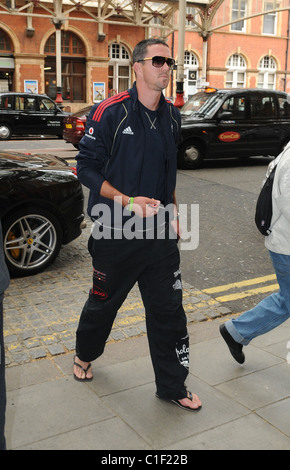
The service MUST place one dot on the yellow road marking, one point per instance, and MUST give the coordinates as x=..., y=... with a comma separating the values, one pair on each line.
x=247, y=293
x=248, y=282
x=227, y=297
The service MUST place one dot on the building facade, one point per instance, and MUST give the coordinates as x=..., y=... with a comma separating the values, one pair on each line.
x=96, y=62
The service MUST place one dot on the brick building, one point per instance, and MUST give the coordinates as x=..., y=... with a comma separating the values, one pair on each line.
x=227, y=43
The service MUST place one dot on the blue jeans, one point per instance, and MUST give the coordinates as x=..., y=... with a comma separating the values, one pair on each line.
x=270, y=312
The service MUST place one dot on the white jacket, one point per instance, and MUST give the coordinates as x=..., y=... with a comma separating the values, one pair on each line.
x=279, y=239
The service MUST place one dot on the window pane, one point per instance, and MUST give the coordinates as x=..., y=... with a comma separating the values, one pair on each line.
x=269, y=20
x=123, y=84
x=65, y=43
x=125, y=54
x=230, y=76
x=236, y=105
x=269, y=24
x=115, y=51
x=238, y=11
x=5, y=43
x=6, y=102
x=284, y=107
x=45, y=104
x=123, y=71
x=269, y=107
x=30, y=104
x=77, y=46
x=241, y=79
x=50, y=45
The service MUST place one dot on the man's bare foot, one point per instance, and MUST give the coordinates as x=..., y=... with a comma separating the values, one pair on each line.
x=193, y=402
x=190, y=403
x=82, y=370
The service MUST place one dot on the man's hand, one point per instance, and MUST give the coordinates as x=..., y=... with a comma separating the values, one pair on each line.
x=145, y=206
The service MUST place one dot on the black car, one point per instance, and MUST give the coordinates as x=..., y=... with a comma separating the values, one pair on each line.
x=233, y=123
x=29, y=114
x=41, y=208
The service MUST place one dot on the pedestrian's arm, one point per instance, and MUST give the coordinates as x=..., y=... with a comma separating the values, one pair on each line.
x=284, y=197
x=142, y=206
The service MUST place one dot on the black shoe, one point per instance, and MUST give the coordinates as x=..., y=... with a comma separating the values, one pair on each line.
x=234, y=347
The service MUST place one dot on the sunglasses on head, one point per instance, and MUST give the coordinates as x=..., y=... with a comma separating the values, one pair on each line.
x=158, y=61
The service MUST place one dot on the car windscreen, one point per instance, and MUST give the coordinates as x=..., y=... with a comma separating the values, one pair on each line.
x=202, y=104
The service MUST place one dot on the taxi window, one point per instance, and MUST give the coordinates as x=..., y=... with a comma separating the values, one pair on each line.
x=30, y=104
x=263, y=107
x=19, y=102
x=236, y=105
x=46, y=104
x=6, y=102
x=284, y=107
x=201, y=104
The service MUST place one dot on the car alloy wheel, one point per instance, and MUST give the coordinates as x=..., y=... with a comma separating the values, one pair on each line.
x=32, y=240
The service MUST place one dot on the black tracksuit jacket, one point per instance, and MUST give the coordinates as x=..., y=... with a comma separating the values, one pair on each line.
x=113, y=146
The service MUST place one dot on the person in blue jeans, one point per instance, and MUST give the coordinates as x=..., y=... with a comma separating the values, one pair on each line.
x=274, y=309
x=4, y=282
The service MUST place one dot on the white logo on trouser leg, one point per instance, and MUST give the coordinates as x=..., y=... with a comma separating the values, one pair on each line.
x=183, y=354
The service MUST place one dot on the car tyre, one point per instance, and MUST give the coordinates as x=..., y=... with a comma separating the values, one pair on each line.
x=190, y=156
x=32, y=240
x=5, y=132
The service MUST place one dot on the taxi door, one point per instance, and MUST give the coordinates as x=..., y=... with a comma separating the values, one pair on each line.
x=232, y=129
x=50, y=116
x=26, y=121
x=267, y=131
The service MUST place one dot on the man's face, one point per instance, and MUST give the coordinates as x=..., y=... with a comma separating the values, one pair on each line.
x=156, y=78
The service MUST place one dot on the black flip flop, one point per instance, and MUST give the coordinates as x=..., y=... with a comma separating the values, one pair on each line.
x=187, y=408
x=86, y=379
x=190, y=397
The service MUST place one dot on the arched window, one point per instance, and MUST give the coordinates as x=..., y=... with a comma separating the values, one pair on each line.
x=267, y=73
x=119, y=77
x=5, y=43
x=236, y=72
x=73, y=67
x=191, y=74
x=6, y=62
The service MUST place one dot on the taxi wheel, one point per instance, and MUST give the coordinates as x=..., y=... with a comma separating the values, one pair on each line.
x=32, y=240
x=190, y=156
x=5, y=132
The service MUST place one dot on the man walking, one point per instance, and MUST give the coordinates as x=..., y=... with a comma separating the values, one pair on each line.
x=127, y=159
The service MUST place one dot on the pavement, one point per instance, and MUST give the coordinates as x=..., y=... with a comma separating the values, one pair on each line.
x=244, y=407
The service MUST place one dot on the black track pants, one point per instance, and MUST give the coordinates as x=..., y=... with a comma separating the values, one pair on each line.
x=154, y=264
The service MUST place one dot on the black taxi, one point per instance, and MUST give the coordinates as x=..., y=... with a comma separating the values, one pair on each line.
x=233, y=123
x=29, y=114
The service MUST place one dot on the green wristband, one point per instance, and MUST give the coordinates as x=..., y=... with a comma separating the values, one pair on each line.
x=131, y=200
